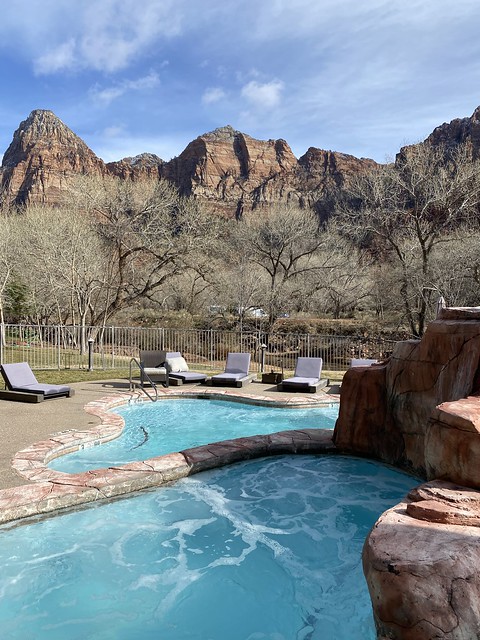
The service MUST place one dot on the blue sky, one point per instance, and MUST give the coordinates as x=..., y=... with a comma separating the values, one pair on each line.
x=129, y=76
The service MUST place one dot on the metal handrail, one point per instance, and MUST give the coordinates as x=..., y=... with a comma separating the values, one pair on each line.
x=143, y=374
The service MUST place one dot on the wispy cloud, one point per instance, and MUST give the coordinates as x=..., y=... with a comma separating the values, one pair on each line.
x=60, y=35
x=108, y=94
x=56, y=59
x=358, y=77
x=265, y=95
x=214, y=94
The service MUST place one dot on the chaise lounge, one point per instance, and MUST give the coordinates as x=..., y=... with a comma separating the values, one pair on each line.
x=306, y=376
x=178, y=371
x=22, y=385
x=153, y=367
x=236, y=371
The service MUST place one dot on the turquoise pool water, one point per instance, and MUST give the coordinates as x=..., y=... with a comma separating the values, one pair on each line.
x=262, y=550
x=156, y=428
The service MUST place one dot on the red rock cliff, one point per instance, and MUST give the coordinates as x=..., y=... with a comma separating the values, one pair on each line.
x=225, y=168
x=43, y=156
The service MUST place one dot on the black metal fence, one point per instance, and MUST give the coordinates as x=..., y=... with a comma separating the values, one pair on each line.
x=68, y=347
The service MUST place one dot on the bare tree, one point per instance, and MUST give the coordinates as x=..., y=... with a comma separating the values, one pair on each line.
x=8, y=257
x=62, y=261
x=284, y=242
x=403, y=211
x=148, y=233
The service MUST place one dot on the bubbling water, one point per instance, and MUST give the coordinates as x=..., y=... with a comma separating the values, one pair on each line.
x=264, y=549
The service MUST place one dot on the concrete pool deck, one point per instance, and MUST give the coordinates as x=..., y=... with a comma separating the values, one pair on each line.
x=33, y=434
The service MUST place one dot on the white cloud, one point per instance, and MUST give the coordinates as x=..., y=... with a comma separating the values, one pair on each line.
x=214, y=94
x=266, y=95
x=109, y=94
x=57, y=59
x=114, y=131
x=60, y=35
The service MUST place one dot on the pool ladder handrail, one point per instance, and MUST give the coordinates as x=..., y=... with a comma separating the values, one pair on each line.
x=143, y=374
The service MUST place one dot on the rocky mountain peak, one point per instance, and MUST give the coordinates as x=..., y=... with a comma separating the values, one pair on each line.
x=42, y=158
x=144, y=165
x=41, y=130
x=221, y=133
x=458, y=131
x=226, y=168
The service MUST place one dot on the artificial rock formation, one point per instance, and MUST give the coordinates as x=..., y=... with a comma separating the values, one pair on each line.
x=423, y=578
x=420, y=411
x=399, y=411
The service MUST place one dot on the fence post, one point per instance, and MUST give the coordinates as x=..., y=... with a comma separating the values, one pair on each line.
x=59, y=354
x=112, y=342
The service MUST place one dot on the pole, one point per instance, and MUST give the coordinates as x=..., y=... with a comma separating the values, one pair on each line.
x=90, y=354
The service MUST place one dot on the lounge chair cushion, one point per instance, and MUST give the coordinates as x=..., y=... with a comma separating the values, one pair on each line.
x=46, y=389
x=299, y=380
x=153, y=359
x=189, y=376
x=307, y=376
x=308, y=368
x=155, y=371
x=362, y=362
x=236, y=370
x=177, y=364
x=229, y=376
x=237, y=363
x=18, y=374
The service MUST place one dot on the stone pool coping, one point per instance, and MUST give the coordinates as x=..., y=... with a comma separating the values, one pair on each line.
x=51, y=490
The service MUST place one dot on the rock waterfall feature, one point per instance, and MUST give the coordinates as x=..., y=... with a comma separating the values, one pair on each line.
x=420, y=410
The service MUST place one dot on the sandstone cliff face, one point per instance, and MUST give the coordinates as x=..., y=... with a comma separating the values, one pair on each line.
x=145, y=165
x=399, y=411
x=43, y=156
x=450, y=134
x=459, y=131
x=227, y=169
x=230, y=167
x=322, y=170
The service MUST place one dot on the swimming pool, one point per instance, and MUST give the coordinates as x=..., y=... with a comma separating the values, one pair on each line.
x=265, y=549
x=154, y=429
